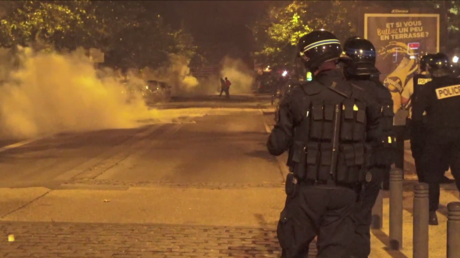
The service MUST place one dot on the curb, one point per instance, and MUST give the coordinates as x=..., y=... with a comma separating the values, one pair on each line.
x=280, y=159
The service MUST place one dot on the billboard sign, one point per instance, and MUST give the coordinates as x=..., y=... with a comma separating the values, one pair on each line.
x=400, y=39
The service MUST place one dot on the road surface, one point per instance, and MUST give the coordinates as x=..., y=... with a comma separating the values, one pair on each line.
x=201, y=185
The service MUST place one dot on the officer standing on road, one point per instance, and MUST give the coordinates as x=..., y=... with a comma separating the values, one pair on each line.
x=417, y=134
x=440, y=99
x=327, y=124
x=362, y=72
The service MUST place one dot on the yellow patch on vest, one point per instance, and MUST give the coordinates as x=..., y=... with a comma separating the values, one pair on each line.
x=448, y=92
x=423, y=81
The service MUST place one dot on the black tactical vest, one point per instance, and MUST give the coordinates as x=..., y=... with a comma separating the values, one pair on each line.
x=419, y=81
x=333, y=137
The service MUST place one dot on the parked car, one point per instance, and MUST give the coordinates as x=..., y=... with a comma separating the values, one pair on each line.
x=157, y=91
x=152, y=91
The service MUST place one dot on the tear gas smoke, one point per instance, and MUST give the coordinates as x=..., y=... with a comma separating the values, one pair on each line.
x=177, y=74
x=239, y=75
x=50, y=93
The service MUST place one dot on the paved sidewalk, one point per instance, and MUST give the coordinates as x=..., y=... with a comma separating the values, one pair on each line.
x=130, y=240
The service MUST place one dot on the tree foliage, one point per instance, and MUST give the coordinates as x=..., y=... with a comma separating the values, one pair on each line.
x=279, y=32
x=25, y=22
x=285, y=21
x=131, y=33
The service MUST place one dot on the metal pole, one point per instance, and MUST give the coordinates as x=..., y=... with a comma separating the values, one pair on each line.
x=421, y=210
x=377, y=212
x=453, y=230
x=396, y=209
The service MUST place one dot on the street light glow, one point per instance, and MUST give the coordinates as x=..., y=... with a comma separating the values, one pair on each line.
x=455, y=59
x=285, y=73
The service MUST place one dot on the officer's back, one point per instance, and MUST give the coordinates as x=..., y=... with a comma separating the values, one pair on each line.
x=440, y=98
x=360, y=70
x=325, y=124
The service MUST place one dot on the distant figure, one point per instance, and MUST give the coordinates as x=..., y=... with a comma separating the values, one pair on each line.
x=222, y=86
x=227, y=87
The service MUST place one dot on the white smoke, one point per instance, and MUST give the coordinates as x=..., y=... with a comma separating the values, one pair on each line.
x=239, y=75
x=177, y=75
x=52, y=92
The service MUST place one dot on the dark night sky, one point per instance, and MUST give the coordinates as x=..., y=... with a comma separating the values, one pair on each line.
x=219, y=27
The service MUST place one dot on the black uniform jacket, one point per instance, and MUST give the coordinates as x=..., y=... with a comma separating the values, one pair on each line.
x=440, y=98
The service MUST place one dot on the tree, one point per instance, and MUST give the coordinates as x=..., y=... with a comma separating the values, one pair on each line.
x=285, y=21
x=131, y=33
x=279, y=32
x=148, y=41
x=57, y=23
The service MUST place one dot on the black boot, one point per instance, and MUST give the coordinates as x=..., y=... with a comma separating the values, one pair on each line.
x=433, y=218
x=446, y=180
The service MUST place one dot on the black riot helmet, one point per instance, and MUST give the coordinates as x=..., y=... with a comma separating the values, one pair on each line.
x=424, y=62
x=363, y=55
x=318, y=47
x=438, y=65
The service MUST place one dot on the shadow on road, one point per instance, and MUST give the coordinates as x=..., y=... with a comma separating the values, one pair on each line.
x=66, y=141
x=385, y=239
x=234, y=98
x=234, y=136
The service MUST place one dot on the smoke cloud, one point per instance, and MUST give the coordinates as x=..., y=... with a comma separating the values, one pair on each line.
x=178, y=75
x=49, y=93
x=239, y=74
x=43, y=93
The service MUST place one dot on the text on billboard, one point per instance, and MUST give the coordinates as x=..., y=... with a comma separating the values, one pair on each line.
x=403, y=30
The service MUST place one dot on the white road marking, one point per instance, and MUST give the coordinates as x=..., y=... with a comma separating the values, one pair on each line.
x=19, y=144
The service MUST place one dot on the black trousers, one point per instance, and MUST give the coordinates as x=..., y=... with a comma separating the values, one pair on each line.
x=317, y=210
x=361, y=245
x=226, y=90
x=441, y=146
x=417, y=143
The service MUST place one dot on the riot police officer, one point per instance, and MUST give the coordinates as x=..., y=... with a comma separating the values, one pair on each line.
x=362, y=72
x=440, y=99
x=417, y=135
x=326, y=124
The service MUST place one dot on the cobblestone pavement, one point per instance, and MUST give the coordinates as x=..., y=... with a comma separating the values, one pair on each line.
x=49, y=239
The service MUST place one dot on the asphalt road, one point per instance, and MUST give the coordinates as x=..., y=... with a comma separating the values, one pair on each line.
x=220, y=146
